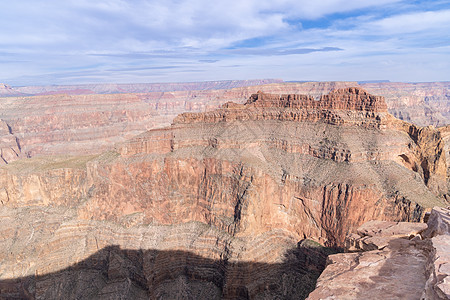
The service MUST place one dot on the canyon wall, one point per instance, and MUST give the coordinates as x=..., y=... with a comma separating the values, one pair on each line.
x=423, y=104
x=75, y=121
x=229, y=203
x=114, y=88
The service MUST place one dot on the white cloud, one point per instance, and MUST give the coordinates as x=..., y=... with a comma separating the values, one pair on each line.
x=317, y=9
x=413, y=23
x=59, y=37
x=98, y=24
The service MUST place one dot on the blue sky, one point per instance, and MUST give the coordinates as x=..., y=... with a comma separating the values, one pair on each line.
x=85, y=41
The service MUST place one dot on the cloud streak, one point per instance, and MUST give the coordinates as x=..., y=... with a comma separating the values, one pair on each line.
x=121, y=40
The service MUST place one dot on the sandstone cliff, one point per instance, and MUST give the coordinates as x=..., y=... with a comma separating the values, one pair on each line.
x=83, y=124
x=218, y=205
x=77, y=121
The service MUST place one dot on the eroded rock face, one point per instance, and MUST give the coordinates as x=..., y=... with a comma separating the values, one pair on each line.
x=429, y=148
x=10, y=148
x=54, y=255
x=423, y=104
x=80, y=120
x=399, y=261
x=216, y=204
x=226, y=164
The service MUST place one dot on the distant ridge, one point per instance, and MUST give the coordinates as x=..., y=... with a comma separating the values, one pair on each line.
x=373, y=81
x=119, y=88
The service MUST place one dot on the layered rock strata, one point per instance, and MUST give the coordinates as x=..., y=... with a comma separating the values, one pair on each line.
x=79, y=124
x=425, y=103
x=54, y=255
x=76, y=121
x=218, y=205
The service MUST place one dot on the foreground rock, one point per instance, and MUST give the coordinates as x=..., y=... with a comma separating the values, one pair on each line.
x=399, y=261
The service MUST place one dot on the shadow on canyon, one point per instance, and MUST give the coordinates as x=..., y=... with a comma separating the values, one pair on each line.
x=115, y=273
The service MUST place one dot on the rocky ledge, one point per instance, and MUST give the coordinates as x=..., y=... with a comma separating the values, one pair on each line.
x=392, y=260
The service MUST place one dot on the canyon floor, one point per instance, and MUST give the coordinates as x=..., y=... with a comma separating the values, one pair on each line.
x=231, y=200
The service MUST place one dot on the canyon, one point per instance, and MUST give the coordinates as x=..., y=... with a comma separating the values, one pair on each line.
x=239, y=193
x=66, y=120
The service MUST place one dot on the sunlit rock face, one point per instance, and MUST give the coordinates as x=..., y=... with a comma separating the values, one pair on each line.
x=80, y=120
x=230, y=203
x=87, y=119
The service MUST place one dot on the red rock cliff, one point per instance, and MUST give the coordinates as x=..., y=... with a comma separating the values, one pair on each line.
x=244, y=183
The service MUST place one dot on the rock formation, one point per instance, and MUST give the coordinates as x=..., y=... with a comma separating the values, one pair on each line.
x=74, y=120
x=85, y=124
x=230, y=203
x=398, y=261
x=423, y=104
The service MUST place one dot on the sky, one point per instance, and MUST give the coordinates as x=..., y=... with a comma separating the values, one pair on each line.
x=135, y=41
